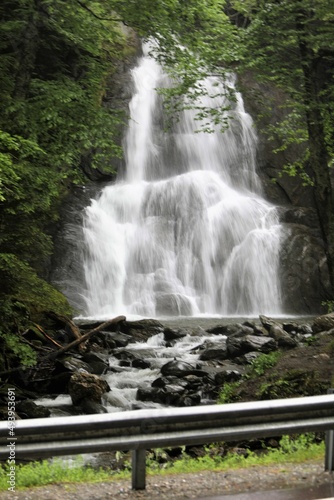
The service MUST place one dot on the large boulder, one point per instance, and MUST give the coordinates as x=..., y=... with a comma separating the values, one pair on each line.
x=170, y=334
x=171, y=391
x=178, y=368
x=29, y=409
x=72, y=364
x=141, y=330
x=97, y=362
x=173, y=304
x=111, y=340
x=323, y=323
x=234, y=347
x=216, y=352
x=225, y=329
x=259, y=343
x=227, y=376
x=238, y=346
x=86, y=386
x=304, y=271
x=282, y=338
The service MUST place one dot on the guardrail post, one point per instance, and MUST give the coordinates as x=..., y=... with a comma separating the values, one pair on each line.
x=329, y=445
x=138, y=469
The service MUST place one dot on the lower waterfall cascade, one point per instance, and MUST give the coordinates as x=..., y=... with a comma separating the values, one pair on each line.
x=185, y=231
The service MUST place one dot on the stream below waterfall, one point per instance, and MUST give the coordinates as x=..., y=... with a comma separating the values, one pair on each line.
x=125, y=379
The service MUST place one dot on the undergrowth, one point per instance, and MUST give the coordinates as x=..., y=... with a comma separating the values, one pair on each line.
x=229, y=391
x=292, y=449
x=295, y=449
x=46, y=472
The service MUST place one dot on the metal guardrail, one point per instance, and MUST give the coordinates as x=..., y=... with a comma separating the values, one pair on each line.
x=140, y=430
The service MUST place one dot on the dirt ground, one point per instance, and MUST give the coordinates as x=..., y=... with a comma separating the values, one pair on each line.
x=284, y=476
x=303, y=371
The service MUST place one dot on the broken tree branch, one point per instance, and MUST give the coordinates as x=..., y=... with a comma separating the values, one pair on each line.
x=89, y=334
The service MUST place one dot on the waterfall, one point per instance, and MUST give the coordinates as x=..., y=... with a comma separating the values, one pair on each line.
x=186, y=231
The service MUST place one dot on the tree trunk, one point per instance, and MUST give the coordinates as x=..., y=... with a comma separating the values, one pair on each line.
x=322, y=187
x=319, y=161
x=27, y=55
x=35, y=14
x=314, y=82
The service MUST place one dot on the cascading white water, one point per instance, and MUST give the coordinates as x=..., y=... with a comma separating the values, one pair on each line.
x=187, y=231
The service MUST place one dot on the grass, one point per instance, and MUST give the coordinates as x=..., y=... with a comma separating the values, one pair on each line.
x=298, y=449
x=46, y=472
x=259, y=366
x=294, y=450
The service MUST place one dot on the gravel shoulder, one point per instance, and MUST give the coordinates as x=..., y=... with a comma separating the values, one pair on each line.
x=183, y=486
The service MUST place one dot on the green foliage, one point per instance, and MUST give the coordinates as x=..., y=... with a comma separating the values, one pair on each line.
x=281, y=42
x=294, y=383
x=55, y=60
x=310, y=340
x=275, y=390
x=43, y=473
x=228, y=394
x=24, y=285
x=23, y=299
x=329, y=304
x=13, y=147
x=22, y=353
x=291, y=449
x=302, y=442
x=156, y=459
x=262, y=363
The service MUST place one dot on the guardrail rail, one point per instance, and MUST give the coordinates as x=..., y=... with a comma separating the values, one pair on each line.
x=140, y=430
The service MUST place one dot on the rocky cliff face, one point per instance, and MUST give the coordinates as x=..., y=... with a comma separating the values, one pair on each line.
x=304, y=272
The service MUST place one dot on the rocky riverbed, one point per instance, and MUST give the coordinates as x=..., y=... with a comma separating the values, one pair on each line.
x=119, y=365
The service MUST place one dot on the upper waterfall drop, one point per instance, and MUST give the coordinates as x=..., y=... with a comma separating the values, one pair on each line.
x=140, y=147
x=186, y=231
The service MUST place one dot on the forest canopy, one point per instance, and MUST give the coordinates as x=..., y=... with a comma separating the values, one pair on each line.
x=57, y=58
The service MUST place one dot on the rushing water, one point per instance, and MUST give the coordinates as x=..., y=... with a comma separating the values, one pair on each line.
x=125, y=381
x=186, y=230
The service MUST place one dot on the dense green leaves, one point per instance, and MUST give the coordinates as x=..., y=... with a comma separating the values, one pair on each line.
x=23, y=297
x=290, y=44
x=57, y=58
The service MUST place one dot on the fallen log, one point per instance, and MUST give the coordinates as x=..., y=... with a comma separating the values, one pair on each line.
x=89, y=334
x=74, y=329
x=40, y=329
x=69, y=346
